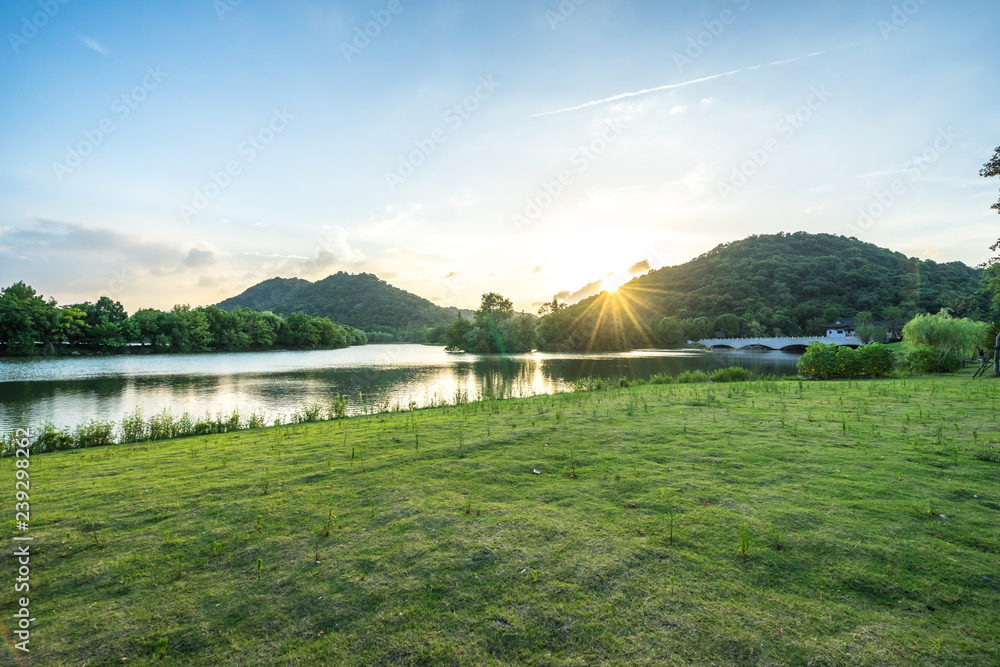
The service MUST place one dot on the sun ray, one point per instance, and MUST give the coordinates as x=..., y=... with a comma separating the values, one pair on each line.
x=639, y=325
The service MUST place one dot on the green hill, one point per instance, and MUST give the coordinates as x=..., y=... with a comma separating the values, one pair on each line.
x=780, y=284
x=362, y=301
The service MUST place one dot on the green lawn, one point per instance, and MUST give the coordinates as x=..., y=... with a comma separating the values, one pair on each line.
x=874, y=534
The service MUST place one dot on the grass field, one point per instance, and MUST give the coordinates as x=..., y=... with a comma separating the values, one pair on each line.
x=578, y=529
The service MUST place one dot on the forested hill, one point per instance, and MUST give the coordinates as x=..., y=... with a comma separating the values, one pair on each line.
x=781, y=284
x=362, y=301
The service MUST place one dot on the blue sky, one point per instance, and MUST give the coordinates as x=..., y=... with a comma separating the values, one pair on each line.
x=180, y=154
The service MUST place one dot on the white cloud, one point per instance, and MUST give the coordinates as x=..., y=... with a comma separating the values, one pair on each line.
x=95, y=46
x=332, y=250
x=678, y=109
x=682, y=84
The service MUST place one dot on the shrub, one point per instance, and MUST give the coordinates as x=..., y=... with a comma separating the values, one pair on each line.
x=947, y=336
x=826, y=360
x=927, y=360
x=875, y=360
x=847, y=363
x=691, y=377
x=161, y=426
x=94, y=433
x=133, y=427
x=733, y=374
x=819, y=361
x=52, y=439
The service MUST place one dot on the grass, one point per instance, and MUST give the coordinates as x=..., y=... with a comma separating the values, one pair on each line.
x=458, y=553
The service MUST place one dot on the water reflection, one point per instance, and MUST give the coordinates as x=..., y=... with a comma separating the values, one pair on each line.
x=68, y=391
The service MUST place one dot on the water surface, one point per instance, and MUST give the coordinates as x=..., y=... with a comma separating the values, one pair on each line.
x=68, y=390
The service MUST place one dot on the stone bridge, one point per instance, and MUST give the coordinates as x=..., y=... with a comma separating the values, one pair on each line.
x=799, y=342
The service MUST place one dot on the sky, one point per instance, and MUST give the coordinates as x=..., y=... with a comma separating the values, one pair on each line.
x=165, y=153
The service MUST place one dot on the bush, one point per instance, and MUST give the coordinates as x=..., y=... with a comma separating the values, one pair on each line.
x=94, y=433
x=661, y=378
x=133, y=427
x=948, y=337
x=52, y=439
x=691, y=377
x=819, y=361
x=733, y=374
x=826, y=360
x=875, y=360
x=927, y=360
x=847, y=363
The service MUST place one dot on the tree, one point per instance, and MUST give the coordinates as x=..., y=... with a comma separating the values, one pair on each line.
x=25, y=318
x=496, y=305
x=147, y=324
x=990, y=169
x=494, y=309
x=992, y=278
x=863, y=317
x=188, y=329
x=553, y=308
x=869, y=333
x=517, y=334
x=669, y=333
x=894, y=317
x=728, y=324
x=945, y=335
x=71, y=327
x=105, y=322
x=455, y=336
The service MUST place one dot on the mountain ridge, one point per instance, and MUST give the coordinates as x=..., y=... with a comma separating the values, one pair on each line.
x=362, y=300
x=772, y=284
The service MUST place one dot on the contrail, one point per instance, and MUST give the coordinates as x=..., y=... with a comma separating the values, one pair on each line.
x=671, y=86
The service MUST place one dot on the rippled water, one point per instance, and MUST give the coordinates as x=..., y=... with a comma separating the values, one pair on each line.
x=69, y=390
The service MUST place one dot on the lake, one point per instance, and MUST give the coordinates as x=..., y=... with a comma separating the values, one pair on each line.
x=68, y=390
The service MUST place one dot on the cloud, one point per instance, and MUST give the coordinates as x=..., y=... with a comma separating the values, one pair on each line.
x=587, y=290
x=94, y=46
x=57, y=240
x=640, y=268
x=708, y=100
x=397, y=221
x=682, y=84
x=678, y=109
x=332, y=250
x=451, y=275
x=197, y=258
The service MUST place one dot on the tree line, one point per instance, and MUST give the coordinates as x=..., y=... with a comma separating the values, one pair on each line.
x=30, y=324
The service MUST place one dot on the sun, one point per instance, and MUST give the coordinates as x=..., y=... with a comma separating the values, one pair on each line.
x=613, y=281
